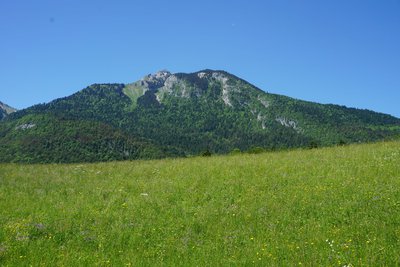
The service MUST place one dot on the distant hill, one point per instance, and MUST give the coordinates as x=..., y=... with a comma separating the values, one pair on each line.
x=5, y=110
x=180, y=114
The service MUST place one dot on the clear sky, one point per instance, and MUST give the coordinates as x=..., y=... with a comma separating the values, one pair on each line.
x=330, y=51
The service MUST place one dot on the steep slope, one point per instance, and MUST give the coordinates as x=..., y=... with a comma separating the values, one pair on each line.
x=202, y=111
x=167, y=114
x=78, y=128
x=5, y=110
x=226, y=108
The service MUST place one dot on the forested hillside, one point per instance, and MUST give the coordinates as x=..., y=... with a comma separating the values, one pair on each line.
x=164, y=115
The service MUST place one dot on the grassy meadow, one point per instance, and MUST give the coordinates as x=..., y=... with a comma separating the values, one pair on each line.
x=335, y=206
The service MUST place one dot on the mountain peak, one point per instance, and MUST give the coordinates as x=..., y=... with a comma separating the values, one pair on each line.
x=156, y=80
x=5, y=110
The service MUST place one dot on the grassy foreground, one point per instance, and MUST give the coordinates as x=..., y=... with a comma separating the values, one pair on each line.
x=330, y=207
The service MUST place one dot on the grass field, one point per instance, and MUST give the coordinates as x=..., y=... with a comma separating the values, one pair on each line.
x=323, y=207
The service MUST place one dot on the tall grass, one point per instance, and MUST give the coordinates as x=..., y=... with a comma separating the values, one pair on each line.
x=331, y=207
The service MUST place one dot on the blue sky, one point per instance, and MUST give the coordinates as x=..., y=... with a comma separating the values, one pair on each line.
x=333, y=51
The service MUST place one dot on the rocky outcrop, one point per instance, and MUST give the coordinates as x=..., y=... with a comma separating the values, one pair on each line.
x=5, y=110
x=156, y=80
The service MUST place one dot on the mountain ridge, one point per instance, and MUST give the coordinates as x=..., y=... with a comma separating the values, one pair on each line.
x=5, y=110
x=177, y=114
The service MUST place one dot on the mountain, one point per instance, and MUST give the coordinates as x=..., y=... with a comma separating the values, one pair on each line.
x=5, y=110
x=166, y=115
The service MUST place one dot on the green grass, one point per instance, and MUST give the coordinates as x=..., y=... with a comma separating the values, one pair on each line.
x=322, y=207
x=133, y=91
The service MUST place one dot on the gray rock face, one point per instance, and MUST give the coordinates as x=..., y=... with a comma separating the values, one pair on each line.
x=25, y=126
x=5, y=110
x=156, y=80
x=289, y=123
x=225, y=87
